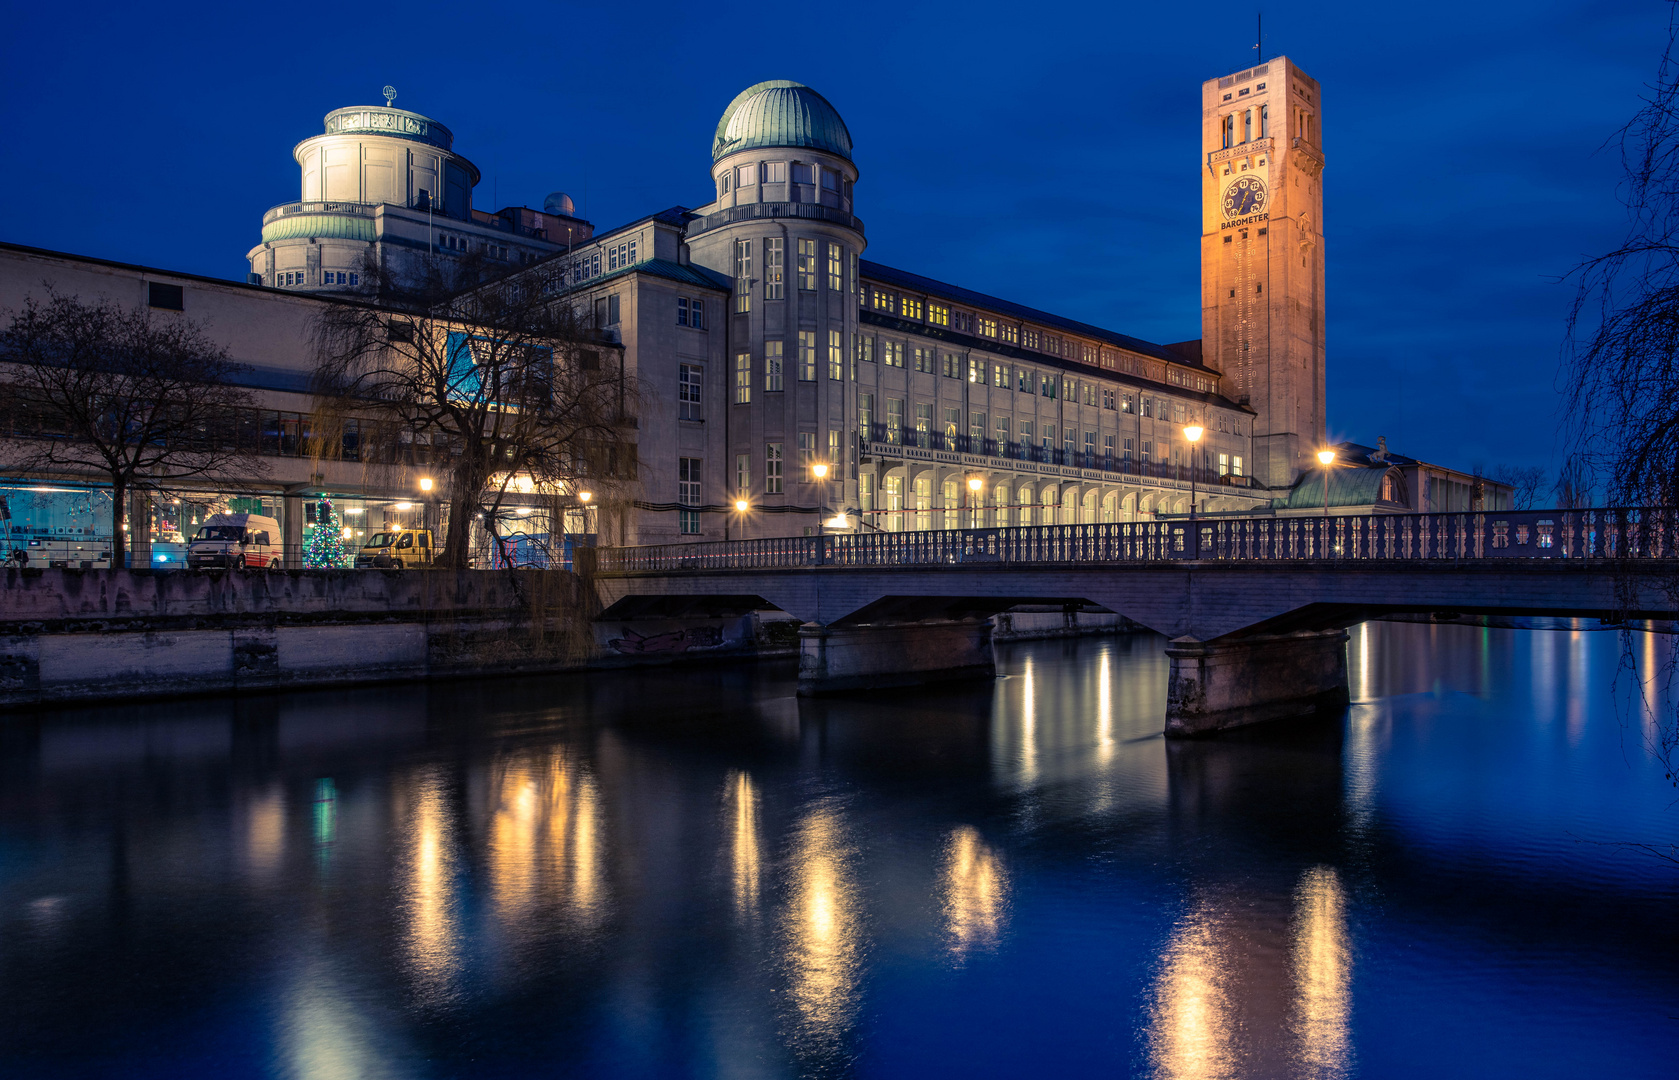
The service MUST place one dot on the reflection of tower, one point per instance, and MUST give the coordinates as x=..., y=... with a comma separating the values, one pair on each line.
x=1262, y=298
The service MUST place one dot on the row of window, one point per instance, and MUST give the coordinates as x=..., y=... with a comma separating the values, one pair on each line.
x=1005, y=429
x=775, y=172
x=810, y=266
x=893, y=510
x=328, y=277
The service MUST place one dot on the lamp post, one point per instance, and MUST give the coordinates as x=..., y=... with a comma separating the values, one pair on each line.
x=1326, y=458
x=1193, y=434
x=974, y=486
x=425, y=489
x=820, y=472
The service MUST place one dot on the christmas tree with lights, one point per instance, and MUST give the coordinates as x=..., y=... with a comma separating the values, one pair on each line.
x=324, y=550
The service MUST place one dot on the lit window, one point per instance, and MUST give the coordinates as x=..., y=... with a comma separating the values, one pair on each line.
x=912, y=308
x=807, y=356
x=743, y=473
x=923, y=360
x=892, y=353
x=976, y=370
x=952, y=366
x=885, y=301
x=865, y=348
x=1000, y=375
x=807, y=265
x=743, y=378
x=1011, y=334
x=836, y=273
x=743, y=275
x=836, y=355
x=987, y=328
x=938, y=314
x=1029, y=338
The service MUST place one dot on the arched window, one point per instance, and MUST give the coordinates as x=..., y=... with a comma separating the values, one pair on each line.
x=1110, y=508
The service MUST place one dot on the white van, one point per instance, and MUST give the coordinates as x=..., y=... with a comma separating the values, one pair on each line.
x=235, y=541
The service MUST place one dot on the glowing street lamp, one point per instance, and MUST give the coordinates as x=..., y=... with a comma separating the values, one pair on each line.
x=425, y=483
x=974, y=486
x=1326, y=458
x=1193, y=434
x=742, y=506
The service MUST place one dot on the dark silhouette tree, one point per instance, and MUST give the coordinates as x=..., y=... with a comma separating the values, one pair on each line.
x=141, y=401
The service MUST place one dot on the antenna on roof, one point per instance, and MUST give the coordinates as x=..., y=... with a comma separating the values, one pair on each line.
x=390, y=95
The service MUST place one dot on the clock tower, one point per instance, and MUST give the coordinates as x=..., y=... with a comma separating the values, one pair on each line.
x=1262, y=307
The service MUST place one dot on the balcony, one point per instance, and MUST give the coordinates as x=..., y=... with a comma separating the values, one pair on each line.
x=1005, y=452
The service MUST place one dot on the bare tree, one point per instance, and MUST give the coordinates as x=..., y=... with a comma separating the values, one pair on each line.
x=1622, y=375
x=505, y=386
x=99, y=389
x=1525, y=484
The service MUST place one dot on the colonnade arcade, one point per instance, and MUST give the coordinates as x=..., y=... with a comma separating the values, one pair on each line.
x=919, y=495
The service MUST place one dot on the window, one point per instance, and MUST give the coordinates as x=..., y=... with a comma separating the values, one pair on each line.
x=807, y=455
x=1026, y=433
x=836, y=451
x=807, y=265
x=865, y=416
x=743, y=378
x=1002, y=431
x=1087, y=393
x=892, y=353
x=688, y=381
x=911, y=308
x=775, y=172
x=836, y=271
x=1090, y=443
x=1236, y=465
x=743, y=276
x=924, y=360
x=682, y=311
x=952, y=366
x=1125, y=449
x=938, y=314
x=746, y=175
x=1148, y=449
x=1264, y=121
x=1000, y=375
x=885, y=301
x=836, y=355
x=1030, y=338
x=617, y=258
x=976, y=428
x=865, y=348
x=1027, y=381
x=851, y=282
x=803, y=174
x=688, y=494
x=772, y=365
x=963, y=322
x=1148, y=406
x=895, y=421
x=772, y=468
x=976, y=370
x=807, y=356
x=987, y=328
x=773, y=284
x=1069, y=442
x=1107, y=399
x=1177, y=414
x=696, y=314
x=923, y=424
x=1227, y=131
x=173, y=297
x=1047, y=385
x=1125, y=403
x=952, y=426
x=1108, y=447
x=1224, y=470
x=1011, y=334
x=606, y=310
x=865, y=493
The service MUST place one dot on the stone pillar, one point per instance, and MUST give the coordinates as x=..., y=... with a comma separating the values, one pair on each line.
x=836, y=659
x=1215, y=687
x=291, y=530
x=139, y=530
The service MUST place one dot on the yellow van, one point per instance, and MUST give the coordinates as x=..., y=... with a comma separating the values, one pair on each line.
x=395, y=549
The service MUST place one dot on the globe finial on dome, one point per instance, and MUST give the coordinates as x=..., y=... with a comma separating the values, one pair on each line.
x=781, y=112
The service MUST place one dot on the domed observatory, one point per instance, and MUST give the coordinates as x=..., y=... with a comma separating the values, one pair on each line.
x=782, y=230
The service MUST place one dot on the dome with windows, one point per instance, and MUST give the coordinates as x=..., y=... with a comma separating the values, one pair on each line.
x=781, y=113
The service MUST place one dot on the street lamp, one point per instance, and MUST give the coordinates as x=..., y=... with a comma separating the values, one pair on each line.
x=820, y=472
x=426, y=511
x=974, y=486
x=1326, y=458
x=1193, y=434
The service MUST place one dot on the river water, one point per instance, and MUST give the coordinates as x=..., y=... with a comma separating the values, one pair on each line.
x=693, y=873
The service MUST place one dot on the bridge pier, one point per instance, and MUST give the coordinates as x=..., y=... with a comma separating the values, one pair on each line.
x=834, y=659
x=1214, y=687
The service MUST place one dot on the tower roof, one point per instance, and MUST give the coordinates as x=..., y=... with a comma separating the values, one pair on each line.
x=781, y=113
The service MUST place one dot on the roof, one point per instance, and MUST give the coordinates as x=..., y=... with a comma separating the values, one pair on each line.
x=1356, y=486
x=688, y=275
x=906, y=280
x=781, y=113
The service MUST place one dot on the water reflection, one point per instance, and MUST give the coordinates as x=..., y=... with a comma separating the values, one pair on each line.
x=975, y=893
x=823, y=932
x=265, y=831
x=740, y=802
x=431, y=941
x=1322, y=975
x=545, y=841
x=1192, y=1019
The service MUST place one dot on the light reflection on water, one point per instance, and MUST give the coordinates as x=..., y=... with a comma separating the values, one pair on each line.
x=693, y=872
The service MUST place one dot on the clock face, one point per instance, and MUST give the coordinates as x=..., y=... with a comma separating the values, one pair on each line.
x=1244, y=196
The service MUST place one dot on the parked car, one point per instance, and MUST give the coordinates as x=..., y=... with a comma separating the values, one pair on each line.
x=395, y=549
x=235, y=542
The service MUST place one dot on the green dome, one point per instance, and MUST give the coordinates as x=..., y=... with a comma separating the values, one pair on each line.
x=1347, y=487
x=781, y=113
x=319, y=226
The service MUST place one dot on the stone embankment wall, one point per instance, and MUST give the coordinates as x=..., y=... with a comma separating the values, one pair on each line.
x=70, y=635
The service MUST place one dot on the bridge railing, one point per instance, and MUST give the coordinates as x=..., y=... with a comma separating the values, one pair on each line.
x=1638, y=533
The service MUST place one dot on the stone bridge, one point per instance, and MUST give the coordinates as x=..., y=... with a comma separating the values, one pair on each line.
x=1256, y=609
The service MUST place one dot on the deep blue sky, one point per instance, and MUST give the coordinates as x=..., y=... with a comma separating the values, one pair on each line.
x=1045, y=152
